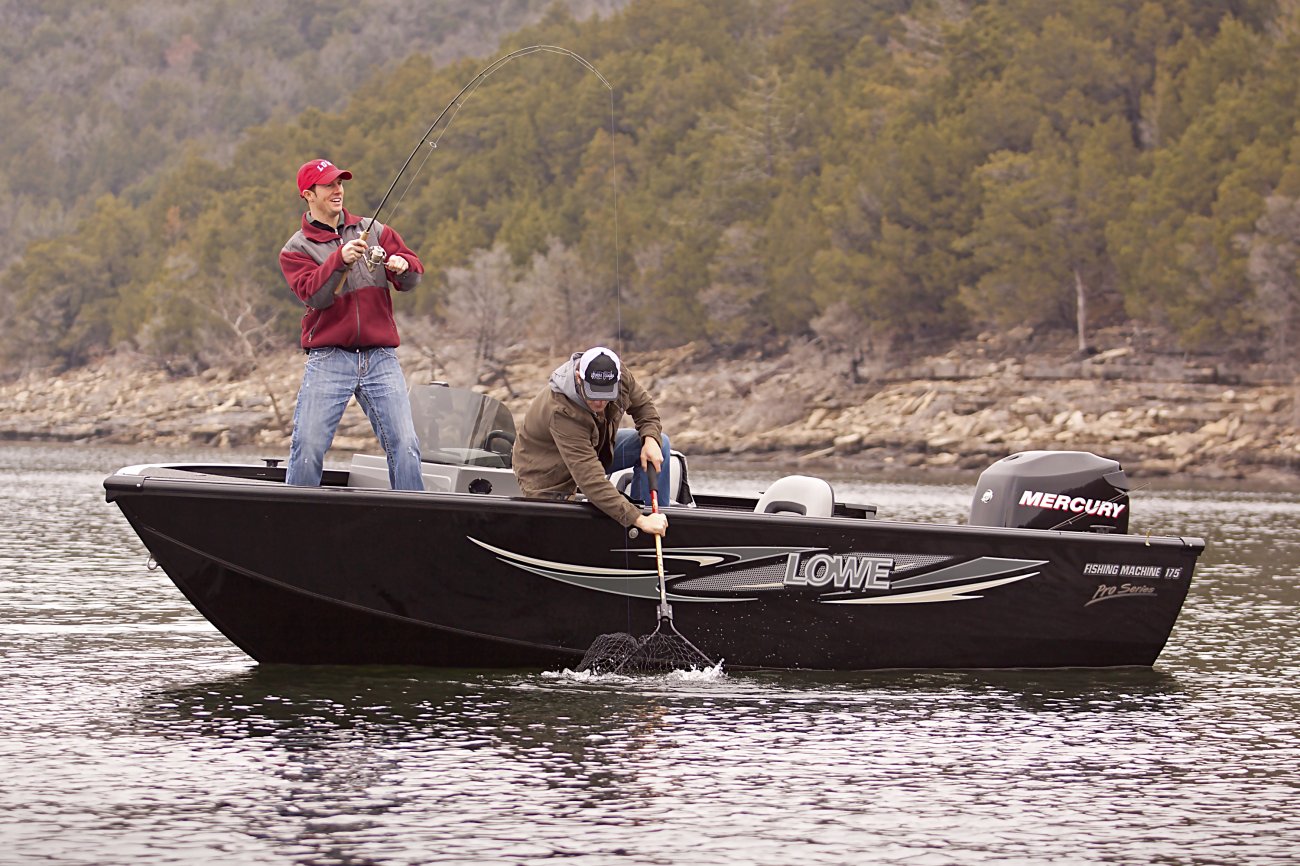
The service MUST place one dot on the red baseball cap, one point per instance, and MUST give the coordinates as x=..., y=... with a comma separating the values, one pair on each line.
x=319, y=171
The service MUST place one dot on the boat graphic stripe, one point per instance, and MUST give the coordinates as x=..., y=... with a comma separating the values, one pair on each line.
x=697, y=558
x=948, y=593
x=630, y=583
x=632, y=587
x=518, y=559
x=976, y=569
x=709, y=556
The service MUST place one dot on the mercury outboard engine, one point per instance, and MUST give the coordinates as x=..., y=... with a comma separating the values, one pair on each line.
x=1075, y=491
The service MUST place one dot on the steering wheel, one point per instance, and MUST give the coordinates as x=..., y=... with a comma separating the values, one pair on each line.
x=507, y=438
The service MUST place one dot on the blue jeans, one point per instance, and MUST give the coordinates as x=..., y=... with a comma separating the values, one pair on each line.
x=627, y=453
x=330, y=378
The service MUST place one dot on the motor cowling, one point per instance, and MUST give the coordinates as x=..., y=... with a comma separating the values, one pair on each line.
x=1074, y=491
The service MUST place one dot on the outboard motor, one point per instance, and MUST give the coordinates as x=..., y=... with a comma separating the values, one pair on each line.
x=1075, y=491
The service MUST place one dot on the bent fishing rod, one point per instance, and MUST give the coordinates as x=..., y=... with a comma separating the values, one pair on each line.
x=458, y=102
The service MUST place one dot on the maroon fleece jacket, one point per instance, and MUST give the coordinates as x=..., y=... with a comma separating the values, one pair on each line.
x=356, y=311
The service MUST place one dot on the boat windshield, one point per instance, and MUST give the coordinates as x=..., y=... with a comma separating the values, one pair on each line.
x=461, y=427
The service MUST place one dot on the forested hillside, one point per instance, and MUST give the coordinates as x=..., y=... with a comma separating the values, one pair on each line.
x=96, y=97
x=878, y=173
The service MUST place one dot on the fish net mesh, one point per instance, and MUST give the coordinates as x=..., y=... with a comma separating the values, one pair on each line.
x=662, y=651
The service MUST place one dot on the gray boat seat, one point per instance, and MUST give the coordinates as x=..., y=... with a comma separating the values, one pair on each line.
x=798, y=494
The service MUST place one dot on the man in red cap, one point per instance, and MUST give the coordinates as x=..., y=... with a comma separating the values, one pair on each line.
x=348, y=330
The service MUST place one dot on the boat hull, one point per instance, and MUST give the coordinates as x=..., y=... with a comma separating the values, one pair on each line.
x=335, y=575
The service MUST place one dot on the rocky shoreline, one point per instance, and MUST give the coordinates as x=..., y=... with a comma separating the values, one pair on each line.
x=1161, y=416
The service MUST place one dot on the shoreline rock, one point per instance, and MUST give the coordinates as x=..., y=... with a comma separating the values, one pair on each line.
x=957, y=413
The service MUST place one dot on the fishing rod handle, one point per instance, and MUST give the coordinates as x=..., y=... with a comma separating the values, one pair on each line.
x=347, y=268
x=652, y=475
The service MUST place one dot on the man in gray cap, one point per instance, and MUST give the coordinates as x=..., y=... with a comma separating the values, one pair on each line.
x=570, y=439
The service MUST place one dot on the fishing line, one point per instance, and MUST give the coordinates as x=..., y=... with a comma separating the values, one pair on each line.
x=449, y=113
x=613, y=180
x=452, y=109
x=458, y=102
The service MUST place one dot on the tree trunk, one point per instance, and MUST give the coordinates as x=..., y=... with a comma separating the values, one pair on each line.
x=281, y=422
x=1081, y=310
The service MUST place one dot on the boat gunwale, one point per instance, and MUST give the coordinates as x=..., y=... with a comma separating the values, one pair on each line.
x=194, y=482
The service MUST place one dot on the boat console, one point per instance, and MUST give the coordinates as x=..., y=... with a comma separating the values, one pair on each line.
x=371, y=470
x=465, y=443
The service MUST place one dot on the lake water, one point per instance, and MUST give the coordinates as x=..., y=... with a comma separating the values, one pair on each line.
x=131, y=732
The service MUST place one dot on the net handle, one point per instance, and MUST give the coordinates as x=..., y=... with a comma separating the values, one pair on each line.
x=665, y=612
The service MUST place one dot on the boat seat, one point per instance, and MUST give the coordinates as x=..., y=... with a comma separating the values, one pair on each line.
x=798, y=494
x=622, y=479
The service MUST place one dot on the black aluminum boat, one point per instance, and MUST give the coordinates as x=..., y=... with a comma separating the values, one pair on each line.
x=470, y=574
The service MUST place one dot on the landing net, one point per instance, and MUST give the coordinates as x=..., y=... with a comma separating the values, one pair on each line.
x=661, y=651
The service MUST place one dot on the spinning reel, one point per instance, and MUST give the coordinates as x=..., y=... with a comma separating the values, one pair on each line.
x=375, y=255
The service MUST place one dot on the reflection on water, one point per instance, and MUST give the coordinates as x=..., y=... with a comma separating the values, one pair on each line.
x=132, y=732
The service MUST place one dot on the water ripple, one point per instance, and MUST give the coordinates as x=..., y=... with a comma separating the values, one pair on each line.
x=133, y=733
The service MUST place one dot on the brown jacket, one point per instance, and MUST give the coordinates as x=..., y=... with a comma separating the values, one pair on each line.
x=563, y=447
